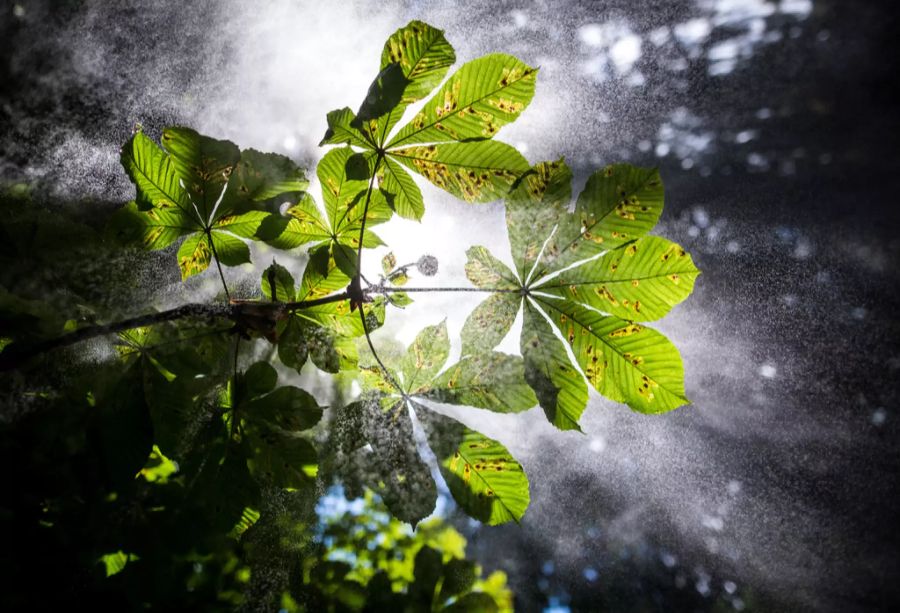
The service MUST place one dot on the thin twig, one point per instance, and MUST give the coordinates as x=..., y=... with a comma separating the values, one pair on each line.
x=401, y=289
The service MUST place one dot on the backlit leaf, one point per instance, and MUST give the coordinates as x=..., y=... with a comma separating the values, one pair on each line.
x=478, y=171
x=484, y=478
x=639, y=282
x=475, y=102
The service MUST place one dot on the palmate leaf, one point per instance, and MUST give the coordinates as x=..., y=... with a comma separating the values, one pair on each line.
x=197, y=184
x=634, y=280
x=493, y=381
x=203, y=164
x=344, y=176
x=449, y=140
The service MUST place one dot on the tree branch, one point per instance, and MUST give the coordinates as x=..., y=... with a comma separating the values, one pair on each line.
x=18, y=353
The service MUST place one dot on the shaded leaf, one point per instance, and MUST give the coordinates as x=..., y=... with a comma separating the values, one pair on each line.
x=425, y=357
x=492, y=381
x=153, y=229
x=400, y=191
x=487, y=272
x=203, y=164
x=489, y=323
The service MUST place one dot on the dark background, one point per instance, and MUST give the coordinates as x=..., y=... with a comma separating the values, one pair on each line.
x=777, y=489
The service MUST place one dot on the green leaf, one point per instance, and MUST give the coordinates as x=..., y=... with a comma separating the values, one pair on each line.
x=292, y=346
x=203, y=164
x=342, y=190
x=399, y=299
x=153, y=229
x=384, y=94
x=639, y=282
x=459, y=576
x=194, y=255
x=244, y=225
x=425, y=357
x=427, y=571
x=484, y=478
x=260, y=378
x=475, y=102
x=277, y=283
x=341, y=131
x=400, y=191
x=424, y=56
x=153, y=172
x=262, y=176
x=302, y=224
x=288, y=408
x=559, y=387
x=533, y=210
x=624, y=361
x=283, y=459
x=321, y=276
x=489, y=323
x=479, y=171
x=618, y=204
x=487, y=272
x=231, y=250
x=494, y=381
x=388, y=263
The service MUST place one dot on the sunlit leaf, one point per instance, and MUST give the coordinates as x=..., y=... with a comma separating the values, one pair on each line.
x=341, y=130
x=203, y=165
x=153, y=172
x=484, y=478
x=423, y=55
x=559, y=387
x=475, y=102
x=639, y=282
x=479, y=171
x=624, y=361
